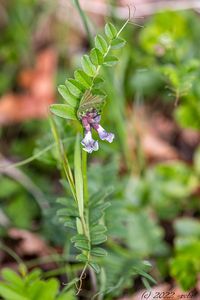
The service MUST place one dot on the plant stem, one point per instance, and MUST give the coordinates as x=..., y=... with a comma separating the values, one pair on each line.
x=85, y=180
x=84, y=20
x=85, y=192
x=86, y=198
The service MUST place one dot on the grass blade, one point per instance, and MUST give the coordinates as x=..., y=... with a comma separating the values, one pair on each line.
x=78, y=175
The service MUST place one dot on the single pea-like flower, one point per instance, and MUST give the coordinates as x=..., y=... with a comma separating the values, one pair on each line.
x=91, y=120
x=89, y=144
x=103, y=134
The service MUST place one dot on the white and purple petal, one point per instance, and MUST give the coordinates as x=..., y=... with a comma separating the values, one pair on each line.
x=89, y=143
x=103, y=134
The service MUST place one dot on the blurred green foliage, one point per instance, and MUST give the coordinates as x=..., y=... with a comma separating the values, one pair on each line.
x=30, y=286
x=17, y=24
x=166, y=64
x=185, y=266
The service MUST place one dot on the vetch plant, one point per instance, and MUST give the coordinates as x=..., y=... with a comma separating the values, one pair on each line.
x=85, y=100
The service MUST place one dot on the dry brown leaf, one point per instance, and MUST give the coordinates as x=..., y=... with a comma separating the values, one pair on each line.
x=38, y=92
x=29, y=243
x=155, y=148
x=190, y=137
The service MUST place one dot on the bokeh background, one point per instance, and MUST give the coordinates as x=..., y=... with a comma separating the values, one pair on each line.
x=154, y=164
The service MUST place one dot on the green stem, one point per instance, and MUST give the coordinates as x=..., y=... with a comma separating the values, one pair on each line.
x=85, y=180
x=84, y=20
x=84, y=225
x=85, y=191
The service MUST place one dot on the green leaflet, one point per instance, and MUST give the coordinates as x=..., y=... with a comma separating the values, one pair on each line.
x=79, y=237
x=97, y=251
x=118, y=43
x=100, y=197
x=101, y=44
x=98, y=81
x=96, y=57
x=82, y=245
x=68, y=203
x=98, y=239
x=89, y=102
x=82, y=257
x=68, y=212
x=110, y=60
x=75, y=87
x=145, y=275
x=70, y=223
x=95, y=267
x=62, y=201
x=78, y=176
x=81, y=242
x=110, y=31
x=68, y=215
x=98, y=229
x=67, y=96
x=83, y=78
x=87, y=65
x=63, y=111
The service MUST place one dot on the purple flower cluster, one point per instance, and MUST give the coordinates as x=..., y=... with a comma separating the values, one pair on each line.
x=89, y=121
